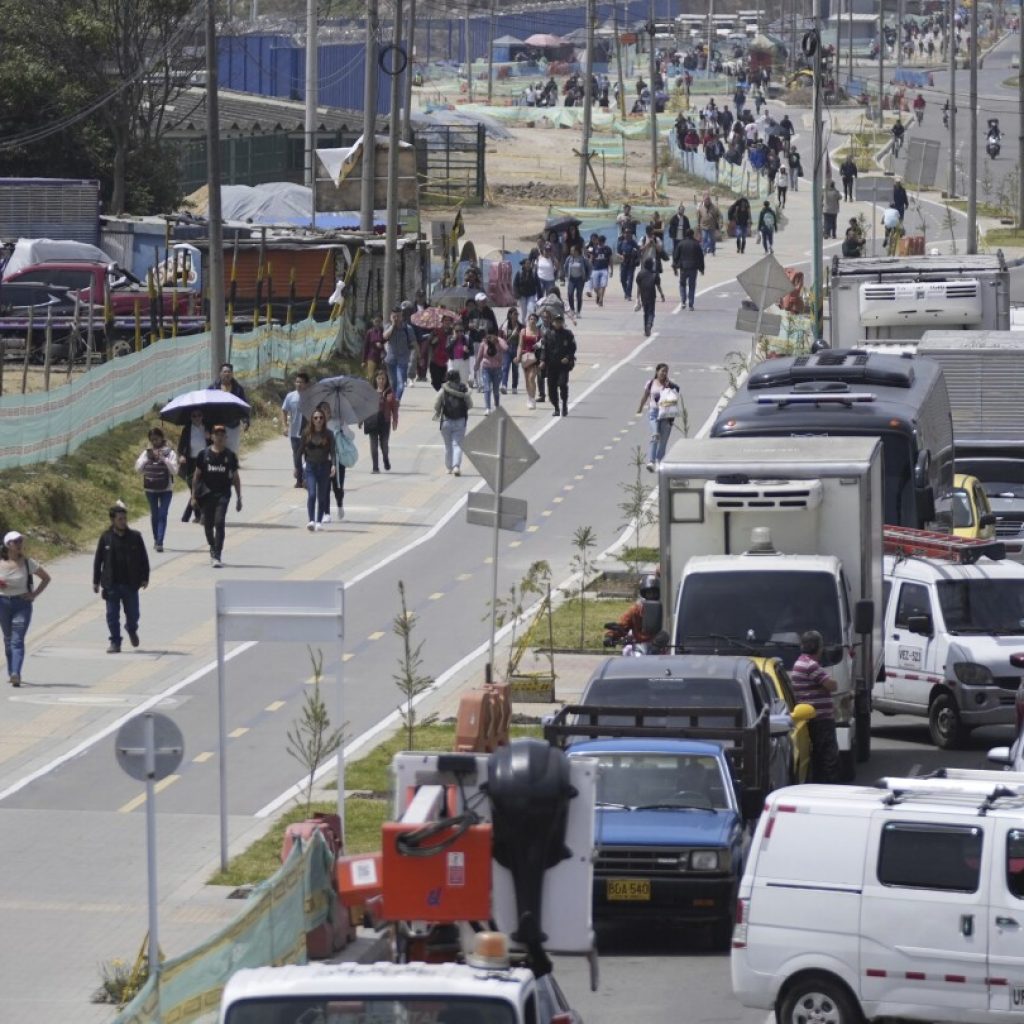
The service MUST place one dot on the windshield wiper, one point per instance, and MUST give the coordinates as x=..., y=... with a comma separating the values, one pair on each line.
x=613, y=806
x=665, y=806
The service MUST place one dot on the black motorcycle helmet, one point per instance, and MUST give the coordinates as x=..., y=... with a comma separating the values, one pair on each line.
x=650, y=586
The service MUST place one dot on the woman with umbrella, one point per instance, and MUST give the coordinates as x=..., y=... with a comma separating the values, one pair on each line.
x=195, y=436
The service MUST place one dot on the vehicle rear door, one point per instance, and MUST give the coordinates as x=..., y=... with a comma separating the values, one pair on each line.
x=923, y=934
x=909, y=655
x=1006, y=921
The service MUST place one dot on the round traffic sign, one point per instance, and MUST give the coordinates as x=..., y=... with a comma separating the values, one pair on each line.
x=149, y=746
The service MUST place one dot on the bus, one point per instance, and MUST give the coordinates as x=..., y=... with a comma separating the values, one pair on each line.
x=850, y=392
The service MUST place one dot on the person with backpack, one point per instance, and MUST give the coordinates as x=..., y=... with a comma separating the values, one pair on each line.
x=158, y=465
x=451, y=408
x=766, y=223
x=216, y=473
x=687, y=262
x=629, y=259
x=18, y=590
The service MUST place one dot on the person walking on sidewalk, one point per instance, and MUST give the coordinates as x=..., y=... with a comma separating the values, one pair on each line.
x=527, y=358
x=294, y=422
x=688, y=261
x=659, y=417
x=451, y=409
x=558, y=360
x=796, y=169
x=647, y=294
x=378, y=427
x=18, y=590
x=510, y=331
x=629, y=259
x=577, y=273
x=830, y=208
x=709, y=220
x=216, y=473
x=120, y=569
x=489, y=359
x=158, y=465
x=195, y=436
x=399, y=340
x=848, y=172
x=766, y=222
x=739, y=214
x=318, y=465
x=226, y=382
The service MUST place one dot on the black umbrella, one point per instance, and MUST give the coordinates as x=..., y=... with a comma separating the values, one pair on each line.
x=561, y=222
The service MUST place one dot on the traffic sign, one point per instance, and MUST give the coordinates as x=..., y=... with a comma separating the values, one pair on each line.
x=753, y=321
x=765, y=282
x=480, y=446
x=480, y=511
x=922, y=161
x=149, y=755
x=873, y=189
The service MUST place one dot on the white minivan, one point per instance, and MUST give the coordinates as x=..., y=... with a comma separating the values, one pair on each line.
x=900, y=900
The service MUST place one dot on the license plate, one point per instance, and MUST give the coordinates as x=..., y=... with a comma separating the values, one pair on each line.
x=628, y=889
x=1016, y=995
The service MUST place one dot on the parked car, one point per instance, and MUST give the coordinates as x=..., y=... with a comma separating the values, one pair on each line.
x=1002, y=478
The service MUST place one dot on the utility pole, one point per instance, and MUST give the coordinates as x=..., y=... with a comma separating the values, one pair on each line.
x=654, y=105
x=881, y=59
x=618, y=62
x=972, y=171
x=588, y=99
x=1020, y=125
x=215, y=229
x=490, y=56
x=951, y=54
x=410, y=35
x=849, y=52
x=366, y=195
x=817, y=165
x=899, y=37
x=469, y=59
x=311, y=97
x=391, y=237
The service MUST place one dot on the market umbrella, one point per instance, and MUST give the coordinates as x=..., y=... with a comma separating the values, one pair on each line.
x=454, y=297
x=561, y=221
x=349, y=399
x=433, y=317
x=216, y=405
x=543, y=40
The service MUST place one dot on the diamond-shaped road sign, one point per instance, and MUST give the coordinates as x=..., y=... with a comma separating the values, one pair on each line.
x=480, y=446
x=748, y=320
x=765, y=282
x=480, y=511
x=873, y=189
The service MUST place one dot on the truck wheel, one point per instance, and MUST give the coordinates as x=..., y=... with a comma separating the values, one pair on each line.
x=121, y=347
x=944, y=722
x=818, y=999
x=863, y=743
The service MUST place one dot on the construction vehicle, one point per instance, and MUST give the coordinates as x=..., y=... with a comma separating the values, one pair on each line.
x=954, y=633
x=764, y=539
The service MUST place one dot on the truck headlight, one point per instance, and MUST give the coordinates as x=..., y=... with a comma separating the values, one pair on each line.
x=704, y=860
x=970, y=673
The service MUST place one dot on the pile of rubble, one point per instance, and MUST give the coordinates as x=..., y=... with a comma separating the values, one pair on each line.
x=537, y=193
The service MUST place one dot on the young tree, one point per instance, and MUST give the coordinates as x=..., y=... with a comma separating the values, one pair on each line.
x=410, y=678
x=583, y=540
x=638, y=508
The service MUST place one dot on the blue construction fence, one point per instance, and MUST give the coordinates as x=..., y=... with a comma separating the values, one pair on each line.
x=45, y=425
x=742, y=179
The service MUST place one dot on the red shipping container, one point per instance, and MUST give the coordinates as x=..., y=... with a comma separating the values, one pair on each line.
x=451, y=885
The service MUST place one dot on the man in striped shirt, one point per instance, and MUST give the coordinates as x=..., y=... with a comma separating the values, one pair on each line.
x=813, y=685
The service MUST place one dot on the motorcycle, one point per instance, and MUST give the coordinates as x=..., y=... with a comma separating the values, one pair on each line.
x=992, y=147
x=617, y=634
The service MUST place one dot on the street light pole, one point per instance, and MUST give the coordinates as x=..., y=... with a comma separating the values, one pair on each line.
x=951, y=53
x=654, y=106
x=367, y=192
x=588, y=99
x=972, y=173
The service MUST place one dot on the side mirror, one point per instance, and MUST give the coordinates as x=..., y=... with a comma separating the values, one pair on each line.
x=1000, y=755
x=987, y=519
x=832, y=655
x=920, y=624
x=863, y=616
x=651, y=618
x=921, y=468
x=803, y=713
x=925, y=499
x=780, y=725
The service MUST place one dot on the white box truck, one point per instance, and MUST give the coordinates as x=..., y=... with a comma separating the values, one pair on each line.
x=889, y=298
x=762, y=539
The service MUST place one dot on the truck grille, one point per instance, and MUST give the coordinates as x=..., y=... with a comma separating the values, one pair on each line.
x=1010, y=683
x=648, y=861
x=1006, y=527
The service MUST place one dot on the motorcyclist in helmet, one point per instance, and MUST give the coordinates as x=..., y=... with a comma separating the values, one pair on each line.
x=649, y=588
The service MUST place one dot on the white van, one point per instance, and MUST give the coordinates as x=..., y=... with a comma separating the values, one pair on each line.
x=954, y=637
x=905, y=900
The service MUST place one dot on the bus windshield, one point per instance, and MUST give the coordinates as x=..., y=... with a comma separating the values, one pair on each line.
x=370, y=1010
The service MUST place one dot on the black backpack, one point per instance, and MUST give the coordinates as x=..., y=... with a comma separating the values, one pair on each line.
x=156, y=475
x=453, y=407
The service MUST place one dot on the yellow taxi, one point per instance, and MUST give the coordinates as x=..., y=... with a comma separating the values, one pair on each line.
x=972, y=514
x=800, y=713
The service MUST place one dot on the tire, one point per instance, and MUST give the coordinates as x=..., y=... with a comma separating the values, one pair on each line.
x=944, y=722
x=818, y=999
x=847, y=765
x=863, y=747
x=121, y=347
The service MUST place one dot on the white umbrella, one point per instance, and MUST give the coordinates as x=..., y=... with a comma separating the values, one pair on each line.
x=216, y=405
x=349, y=399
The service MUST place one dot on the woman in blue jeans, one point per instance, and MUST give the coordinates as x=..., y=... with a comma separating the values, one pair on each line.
x=490, y=355
x=158, y=465
x=661, y=396
x=318, y=461
x=18, y=589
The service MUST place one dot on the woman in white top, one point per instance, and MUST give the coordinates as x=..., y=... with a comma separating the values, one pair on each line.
x=662, y=398
x=158, y=465
x=18, y=589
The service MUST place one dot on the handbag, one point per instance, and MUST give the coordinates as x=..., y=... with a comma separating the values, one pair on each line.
x=347, y=453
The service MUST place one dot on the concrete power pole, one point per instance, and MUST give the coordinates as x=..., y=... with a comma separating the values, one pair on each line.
x=410, y=35
x=654, y=106
x=972, y=172
x=490, y=56
x=881, y=59
x=311, y=98
x=849, y=52
x=588, y=99
x=951, y=54
x=394, y=119
x=1020, y=125
x=818, y=158
x=469, y=59
x=215, y=229
x=366, y=195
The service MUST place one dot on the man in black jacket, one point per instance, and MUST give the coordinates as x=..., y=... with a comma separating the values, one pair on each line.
x=226, y=382
x=120, y=569
x=647, y=294
x=525, y=287
x=848, y=172
x=558, y=360
x=687, y=261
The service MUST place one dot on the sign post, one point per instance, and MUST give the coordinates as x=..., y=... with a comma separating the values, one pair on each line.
x=149, y=747
x=873, y=190
x=303, y=611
